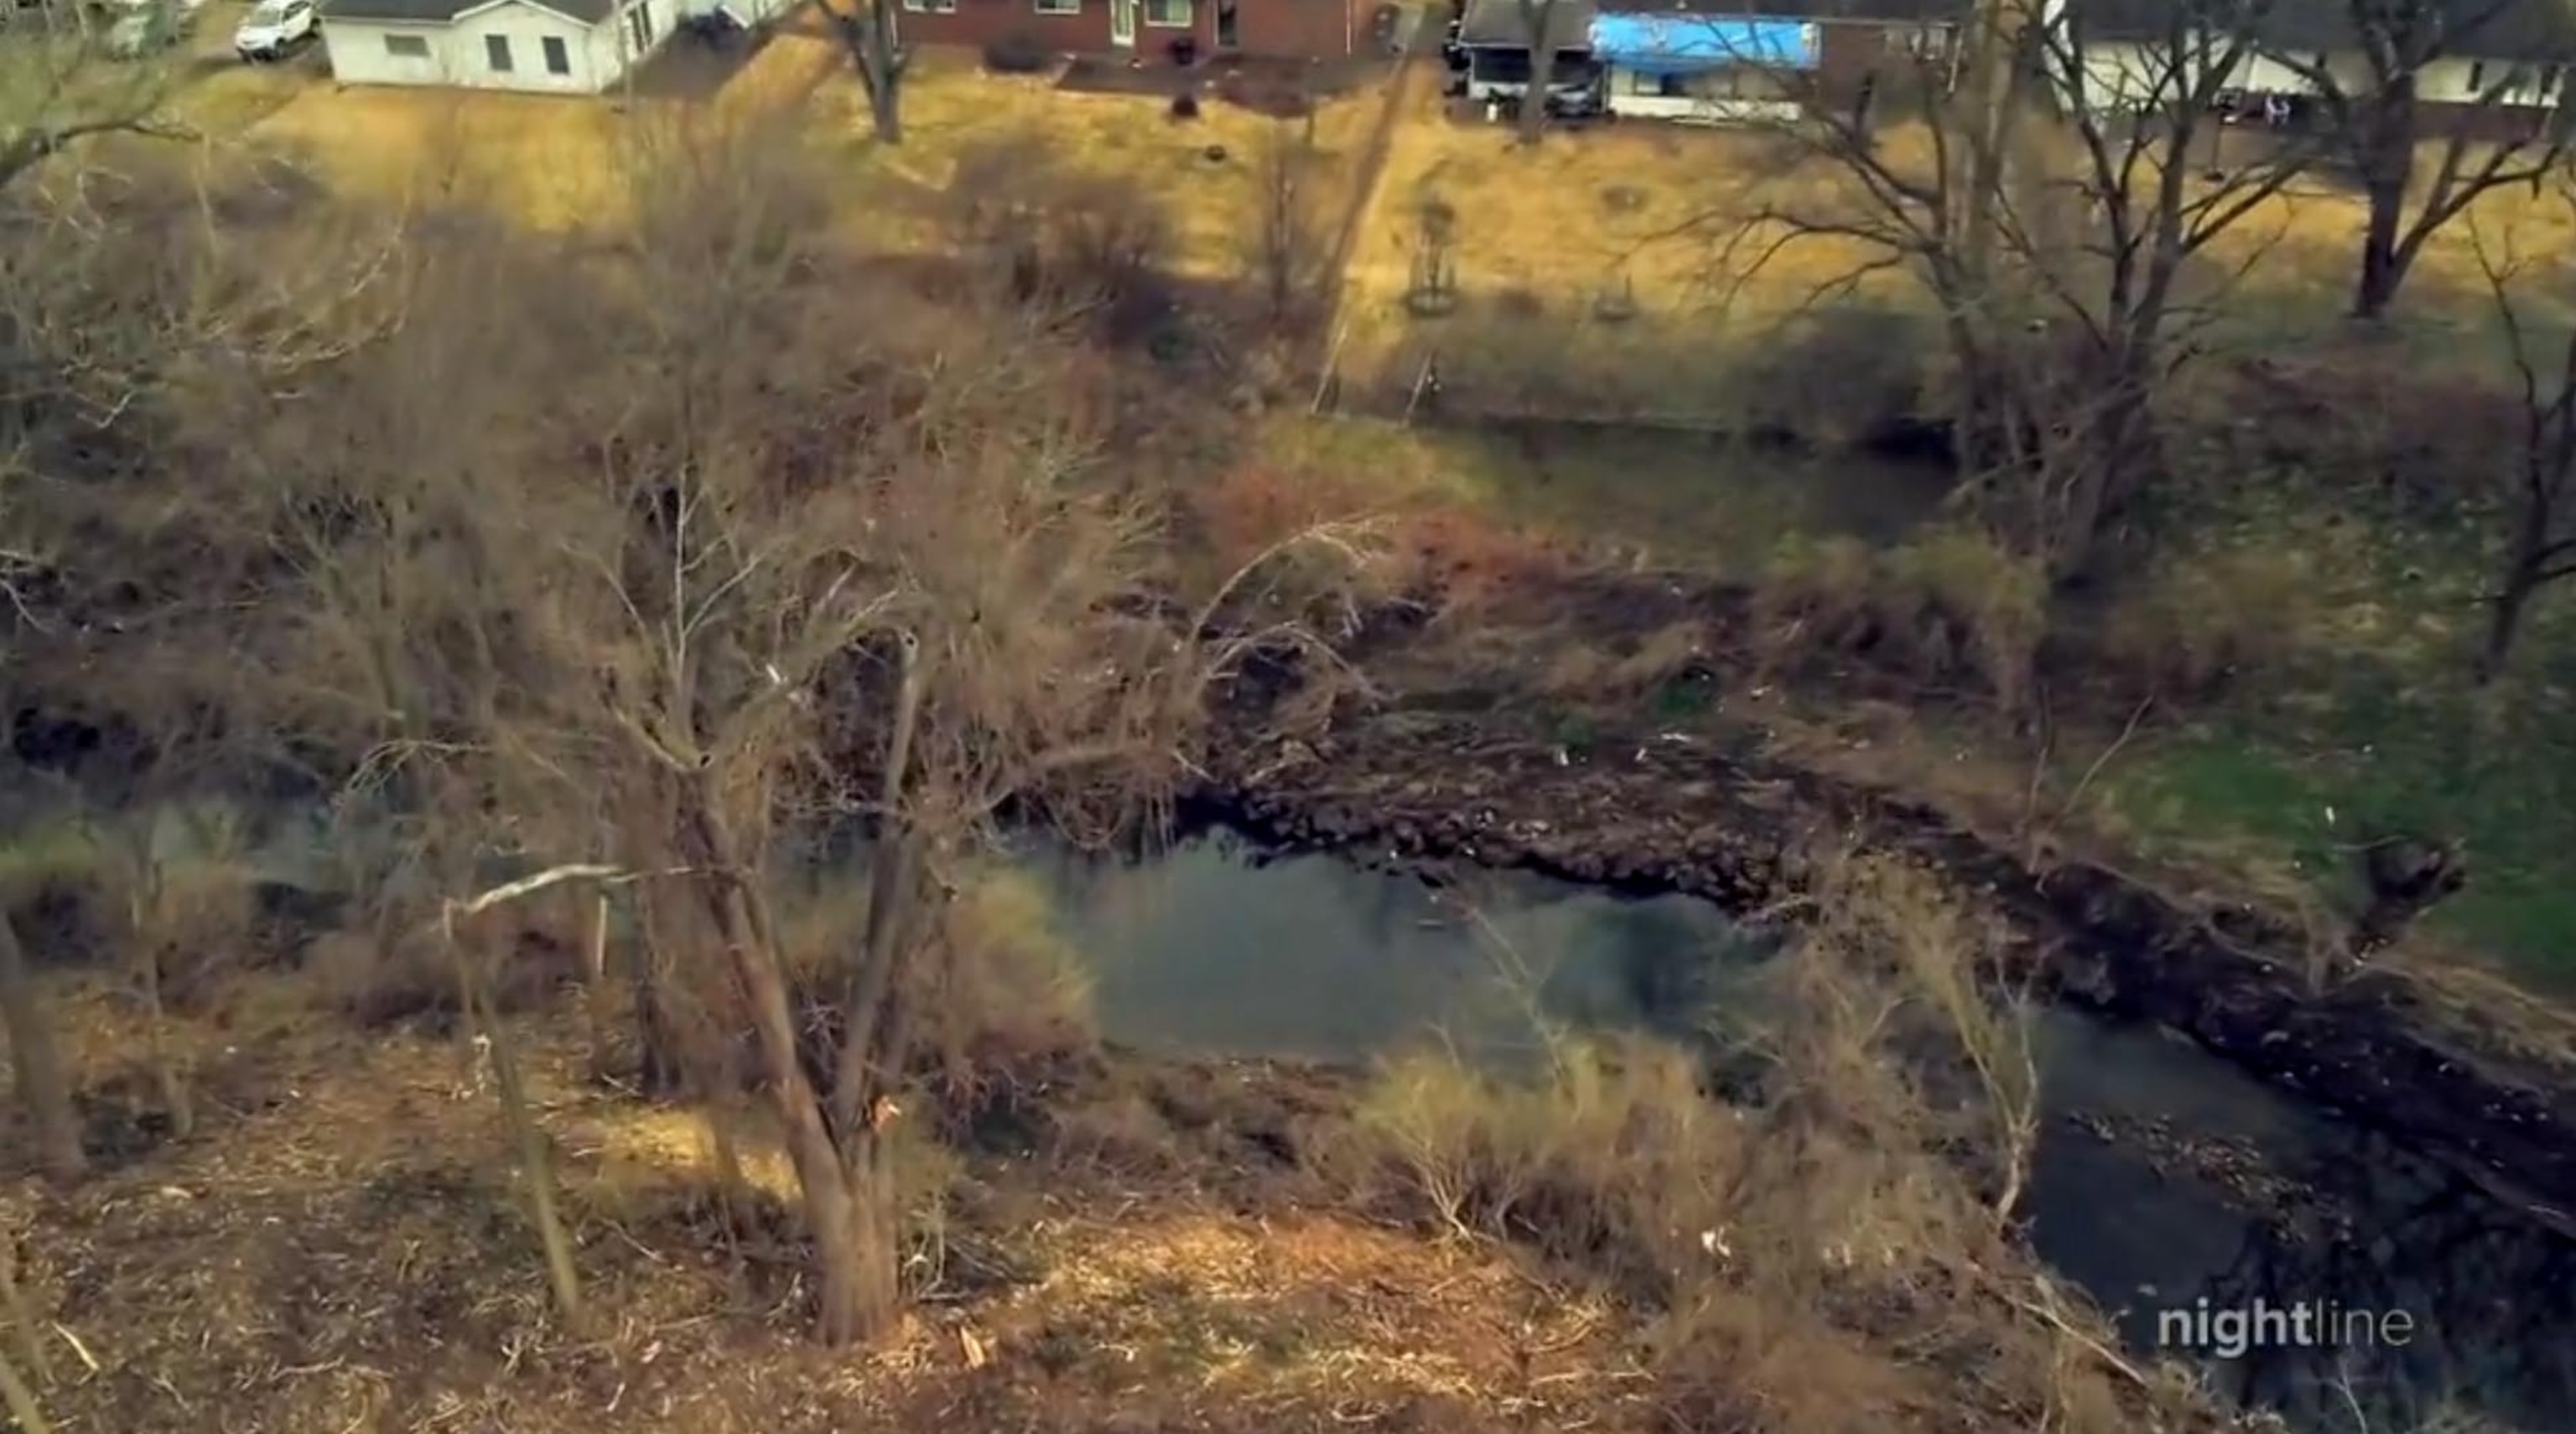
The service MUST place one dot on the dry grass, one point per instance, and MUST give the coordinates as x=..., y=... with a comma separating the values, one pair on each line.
x=557, y=162
x=1950, y=605
x=343, y=1252
x=951, y=106
x=1828, y=1256
x=1656, y=213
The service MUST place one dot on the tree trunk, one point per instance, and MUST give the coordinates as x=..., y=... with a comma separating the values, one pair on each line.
x=165, y=1063
x=2381, y=269
x=855, y=1278
x=2387, y=164
x=21, y=1314
x=876, y=51
x=659, y=1068
x=2504, y=621
x=595, y=993
x=875, y=1232
x=1533, y=116
x=20, y=1400
x=885, y=105
x=527, y=1141
x=37, y=1065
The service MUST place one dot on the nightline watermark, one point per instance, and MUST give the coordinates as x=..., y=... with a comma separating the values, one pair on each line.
x=2229, y=1331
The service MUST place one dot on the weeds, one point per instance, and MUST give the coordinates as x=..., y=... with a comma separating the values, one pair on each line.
x=1950, y=605
x=2200, y=621
x=1808, y=1258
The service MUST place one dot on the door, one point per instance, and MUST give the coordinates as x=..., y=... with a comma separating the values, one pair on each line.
x=1228, y=35
x=1122, y=23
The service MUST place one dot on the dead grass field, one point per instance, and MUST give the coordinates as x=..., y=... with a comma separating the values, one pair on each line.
x=342, y=1251
x=1651, y=213
x=952, y=105
x=555, y=162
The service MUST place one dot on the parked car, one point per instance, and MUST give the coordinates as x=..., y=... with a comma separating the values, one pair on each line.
x=273, y=28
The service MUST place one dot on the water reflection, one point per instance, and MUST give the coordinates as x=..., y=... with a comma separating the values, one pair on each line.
x=2209, y=1183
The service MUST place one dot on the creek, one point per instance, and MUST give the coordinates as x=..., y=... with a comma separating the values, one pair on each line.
x=2163, y=1175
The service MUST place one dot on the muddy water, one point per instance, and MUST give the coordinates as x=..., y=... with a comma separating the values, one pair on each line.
x=2164, y=1176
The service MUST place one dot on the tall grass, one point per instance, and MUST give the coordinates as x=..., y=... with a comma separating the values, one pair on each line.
x=1819, y=1256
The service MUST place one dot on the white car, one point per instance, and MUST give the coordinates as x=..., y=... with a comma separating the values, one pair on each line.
x=274, y=27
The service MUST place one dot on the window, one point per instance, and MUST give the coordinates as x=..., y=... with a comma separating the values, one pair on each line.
x=935, y=7
x=1059, y=7
x=496, y=48
x=407, y=47
x=558, y=60
x=1923, y=42
x=1167, y=14
x=2478, y=77
x=639, y=27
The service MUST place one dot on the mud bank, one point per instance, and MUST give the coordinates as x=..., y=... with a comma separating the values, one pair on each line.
x=1649, y=811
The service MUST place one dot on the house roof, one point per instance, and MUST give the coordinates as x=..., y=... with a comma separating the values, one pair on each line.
x=1858, y=12
x=1691, y=44
x=1499, y=24
x=2476, y=29
x=443, y=12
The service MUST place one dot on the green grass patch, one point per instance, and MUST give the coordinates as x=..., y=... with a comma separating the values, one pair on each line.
x=2370, y=727
x=1681, y=499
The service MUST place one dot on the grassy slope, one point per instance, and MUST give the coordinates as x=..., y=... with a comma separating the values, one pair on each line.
x=343, y=1250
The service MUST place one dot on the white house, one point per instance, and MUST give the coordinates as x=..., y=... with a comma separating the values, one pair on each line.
x=543, y=46
x=2501, y=61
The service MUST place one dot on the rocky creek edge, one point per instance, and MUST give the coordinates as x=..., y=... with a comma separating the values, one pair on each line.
x=1649, y=812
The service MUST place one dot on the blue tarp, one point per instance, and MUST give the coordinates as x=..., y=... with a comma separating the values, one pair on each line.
x=1688, y=44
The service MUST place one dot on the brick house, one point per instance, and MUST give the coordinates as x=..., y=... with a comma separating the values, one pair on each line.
x=1269, y=29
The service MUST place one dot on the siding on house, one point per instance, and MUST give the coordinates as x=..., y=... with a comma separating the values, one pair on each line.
x=2449, y=90
x=1858, y=41
x=366, y=50
x=1286, y=29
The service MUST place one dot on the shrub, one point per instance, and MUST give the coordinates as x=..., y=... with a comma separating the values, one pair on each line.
x=1815, y=1260
x=1060, y=235
x=1616, y=1163
x=1011, y=1000
x=1951, y=605
x=2197, y=621
x=1018, y=53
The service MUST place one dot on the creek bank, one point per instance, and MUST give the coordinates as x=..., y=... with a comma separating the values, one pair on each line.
x=1718, y=816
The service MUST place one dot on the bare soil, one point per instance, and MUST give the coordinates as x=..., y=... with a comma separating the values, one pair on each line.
x=1458, y=755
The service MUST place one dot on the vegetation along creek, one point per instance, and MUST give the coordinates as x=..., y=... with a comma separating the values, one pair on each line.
x=1486, y=715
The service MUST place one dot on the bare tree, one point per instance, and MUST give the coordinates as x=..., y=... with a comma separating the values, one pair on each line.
x=1288, y=240
x=59, y=85
x=792, y=547
x=871, y=37
x=44, y=1088
x=2061, y=253
x=2540, y=543
x=2375, y=119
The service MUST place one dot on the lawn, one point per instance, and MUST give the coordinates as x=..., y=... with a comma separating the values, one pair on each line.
x=554, y=162
x=1202, y=173
x=1623, y=250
